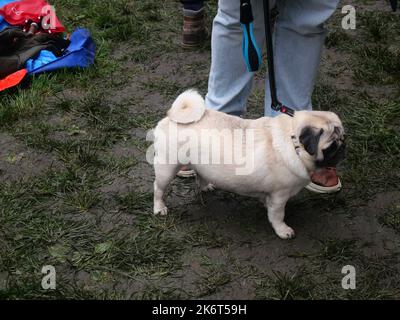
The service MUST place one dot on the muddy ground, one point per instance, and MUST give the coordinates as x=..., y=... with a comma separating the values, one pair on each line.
x=76, y=189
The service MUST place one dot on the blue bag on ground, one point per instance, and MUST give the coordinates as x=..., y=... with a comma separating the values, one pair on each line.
x=80, y=53
x=44, y=58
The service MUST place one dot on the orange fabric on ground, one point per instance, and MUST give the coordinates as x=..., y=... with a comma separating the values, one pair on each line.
x=12, y=79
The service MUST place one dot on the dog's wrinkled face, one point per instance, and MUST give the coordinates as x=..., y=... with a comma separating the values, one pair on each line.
x=323, y=139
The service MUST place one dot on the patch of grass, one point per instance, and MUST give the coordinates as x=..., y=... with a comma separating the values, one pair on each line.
x=87, y=155
x=72, y=152
x=374, y=58
x=326, y=98
x=118, y=164
x=136, y=201
x=93, y=105
x=376, y=64
x=391, y=217
x=120, y=20
x=151, y=251
x=25, y=103
x=321, y=278
x=379, y=26
x=372, y=143
x=286, y=286
x=376, y=278
x=39, y=237
x=337, y=250
x=212, y=280
x=35, y=134
x=169, y=89
x=55, y=182
x=145, y=121
x=204, y=236
x=83, y=200
x=339, y=39
x=27, y=287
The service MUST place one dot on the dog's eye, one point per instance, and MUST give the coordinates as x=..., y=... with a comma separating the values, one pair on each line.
x=337, y=130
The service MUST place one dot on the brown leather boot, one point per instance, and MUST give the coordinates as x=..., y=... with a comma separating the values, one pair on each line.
x=193, y=28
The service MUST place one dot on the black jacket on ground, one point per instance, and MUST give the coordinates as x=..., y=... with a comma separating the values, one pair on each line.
x=17, y=47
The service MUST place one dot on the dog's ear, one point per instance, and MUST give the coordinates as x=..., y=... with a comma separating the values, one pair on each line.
x=309, y=138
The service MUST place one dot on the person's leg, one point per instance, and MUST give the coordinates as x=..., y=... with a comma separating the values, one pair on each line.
x=194, y=5
x=298, y=40
x=193, y=23
x=230, y=82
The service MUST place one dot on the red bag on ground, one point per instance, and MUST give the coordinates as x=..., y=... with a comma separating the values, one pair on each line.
x=21, y=12
x=12, y=79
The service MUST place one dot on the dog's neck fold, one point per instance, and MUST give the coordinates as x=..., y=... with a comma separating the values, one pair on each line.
x=289, y=148
x=296, y=143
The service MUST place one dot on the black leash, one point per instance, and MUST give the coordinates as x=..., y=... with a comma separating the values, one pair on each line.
x=252, y=54
x=393, y=3
x=275, y=103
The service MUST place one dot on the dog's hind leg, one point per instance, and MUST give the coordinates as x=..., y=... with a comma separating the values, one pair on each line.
x=164, y=175
x=275, y=204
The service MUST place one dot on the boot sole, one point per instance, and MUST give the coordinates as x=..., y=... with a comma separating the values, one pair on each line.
x=313, y=187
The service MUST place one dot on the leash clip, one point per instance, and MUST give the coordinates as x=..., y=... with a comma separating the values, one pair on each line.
x=283, y=109
x=246, y=14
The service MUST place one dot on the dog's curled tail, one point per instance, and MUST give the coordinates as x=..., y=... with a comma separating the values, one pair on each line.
x=187, y=108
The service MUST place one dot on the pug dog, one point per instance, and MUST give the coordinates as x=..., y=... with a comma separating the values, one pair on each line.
x=279, y=153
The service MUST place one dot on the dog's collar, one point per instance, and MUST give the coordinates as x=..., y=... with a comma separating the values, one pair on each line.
x=296, y=143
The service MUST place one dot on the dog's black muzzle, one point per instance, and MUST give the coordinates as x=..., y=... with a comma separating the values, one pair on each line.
x=334, y=154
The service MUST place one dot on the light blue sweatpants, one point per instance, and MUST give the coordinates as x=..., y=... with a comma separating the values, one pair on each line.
x=298, y=40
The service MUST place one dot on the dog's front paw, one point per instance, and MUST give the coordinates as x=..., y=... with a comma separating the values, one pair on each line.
x=284, y=232
x=161, y=211
x=208, y=188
